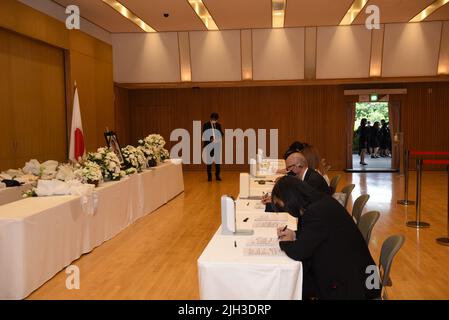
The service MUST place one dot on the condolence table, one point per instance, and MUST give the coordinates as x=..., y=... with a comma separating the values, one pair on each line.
x=41, y=236
x=225, y=272
x=8, y=195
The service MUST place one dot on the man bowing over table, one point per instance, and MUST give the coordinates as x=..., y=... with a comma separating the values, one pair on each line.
x=212, y=134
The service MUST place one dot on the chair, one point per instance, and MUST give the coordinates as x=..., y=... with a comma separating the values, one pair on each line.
x=334, y=183
x=366, y=224
x=347, y=190
x=358, y=206
x=390, y=248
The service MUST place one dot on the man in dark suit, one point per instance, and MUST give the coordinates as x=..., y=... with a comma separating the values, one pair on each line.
x=216, y=134
x=332, y=250
x=296, y=166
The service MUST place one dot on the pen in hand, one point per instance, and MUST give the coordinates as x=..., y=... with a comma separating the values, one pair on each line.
x=285, y=228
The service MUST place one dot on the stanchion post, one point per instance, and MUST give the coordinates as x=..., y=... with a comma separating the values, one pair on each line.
x=418, y=223
x=406, y=201
x=445, y=240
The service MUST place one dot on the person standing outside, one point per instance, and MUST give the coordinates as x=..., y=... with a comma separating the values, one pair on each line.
x=363, y=133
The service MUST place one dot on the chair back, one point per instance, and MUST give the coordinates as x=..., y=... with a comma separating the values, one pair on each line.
x=358, y=206
x=366, y=224
x=334, y=183
x=347, y=190
x=390, y=248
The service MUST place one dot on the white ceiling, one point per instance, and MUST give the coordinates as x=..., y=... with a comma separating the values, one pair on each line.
x=242, y=14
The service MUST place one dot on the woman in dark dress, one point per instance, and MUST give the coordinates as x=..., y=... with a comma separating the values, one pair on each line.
x=363, y=133
x=332, y=250
x=376, y=136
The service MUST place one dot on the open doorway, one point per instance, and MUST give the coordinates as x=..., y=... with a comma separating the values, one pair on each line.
x=372, y=143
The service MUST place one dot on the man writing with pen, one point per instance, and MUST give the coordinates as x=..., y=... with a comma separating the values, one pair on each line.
x=332, y=250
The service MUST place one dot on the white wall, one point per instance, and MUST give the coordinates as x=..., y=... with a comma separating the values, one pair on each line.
x=215, y=55
x=411, y=49
x=146, y=57
x=343, y=52
x=278, y=54
x=346, y=52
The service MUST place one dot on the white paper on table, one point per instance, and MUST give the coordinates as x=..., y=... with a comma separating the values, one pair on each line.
x=262, y=242
x=272, y=251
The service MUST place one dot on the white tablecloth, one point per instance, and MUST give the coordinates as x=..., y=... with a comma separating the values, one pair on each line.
x=226, y=273
x=41, y=236
x=8, y=195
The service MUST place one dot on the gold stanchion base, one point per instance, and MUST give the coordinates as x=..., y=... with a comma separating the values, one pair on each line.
x=418, y=225
x=443, y=241
x=406, y=202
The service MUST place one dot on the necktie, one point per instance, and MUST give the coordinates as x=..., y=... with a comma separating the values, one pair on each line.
x=213, y=131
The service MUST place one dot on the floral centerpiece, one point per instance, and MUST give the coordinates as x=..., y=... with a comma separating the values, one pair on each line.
x=29, y=193
x=134, y=159
x=153, y=148
x=89, y=172
x=109, y=163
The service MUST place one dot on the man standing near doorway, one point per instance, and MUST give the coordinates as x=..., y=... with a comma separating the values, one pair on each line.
x=216, y=135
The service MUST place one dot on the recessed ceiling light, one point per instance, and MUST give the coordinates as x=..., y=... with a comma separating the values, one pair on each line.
x=429, y=10
x=353, y=12
x=202, y=12
x=124, y=11
x=278, y=13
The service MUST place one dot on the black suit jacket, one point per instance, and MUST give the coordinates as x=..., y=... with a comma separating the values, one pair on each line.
x=316, y=181
x=333, y=252
x=313, y=179
x=207, y=126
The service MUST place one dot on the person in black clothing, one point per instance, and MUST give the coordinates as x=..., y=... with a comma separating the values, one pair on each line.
x=376, y=137
x=216, y=135
x=363, y=133
x=385, y=145
x=297, y=167
x=332, y=250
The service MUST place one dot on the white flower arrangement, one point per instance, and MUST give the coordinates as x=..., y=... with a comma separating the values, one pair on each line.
x=134, y=158
x=89, y=172
x=153, y=148
x=66, y=172
x=29, y=193
x=108, y=162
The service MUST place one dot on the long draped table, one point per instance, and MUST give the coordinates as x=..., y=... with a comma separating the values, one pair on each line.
x=41, y=236
x=8, y=195
x=226, y=273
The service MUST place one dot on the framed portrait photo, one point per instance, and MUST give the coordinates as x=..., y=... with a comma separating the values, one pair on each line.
x=112, y=142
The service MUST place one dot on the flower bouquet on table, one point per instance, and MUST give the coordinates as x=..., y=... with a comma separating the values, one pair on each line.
x=89, y=172
x=153, y=148
x=108, y=162
x=134, y=159
x=29, y=193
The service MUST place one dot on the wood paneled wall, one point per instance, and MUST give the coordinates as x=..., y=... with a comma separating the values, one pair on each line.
x=295, y=111
x=316, y=114
x=425, y=118
x=32, y=101
x=84, y=59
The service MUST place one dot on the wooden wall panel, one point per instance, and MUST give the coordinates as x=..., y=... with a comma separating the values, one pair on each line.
x=296, y=111
x=424, y=117
x=316, y=114
x=33, y=101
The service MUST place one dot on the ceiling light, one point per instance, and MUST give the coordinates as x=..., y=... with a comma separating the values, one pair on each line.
x=278, y=13
x=353, y=12
x=429, y=10
x=202, y=12
x=124, y=11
